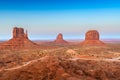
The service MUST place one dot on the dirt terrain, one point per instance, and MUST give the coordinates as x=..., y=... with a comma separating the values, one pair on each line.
x=61, y=62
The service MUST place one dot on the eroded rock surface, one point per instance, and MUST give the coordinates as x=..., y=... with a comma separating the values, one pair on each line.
x=19, y=40
x=60, y=40
x=92, y=38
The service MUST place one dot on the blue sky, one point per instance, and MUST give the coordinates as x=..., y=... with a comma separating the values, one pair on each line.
x=44, y=19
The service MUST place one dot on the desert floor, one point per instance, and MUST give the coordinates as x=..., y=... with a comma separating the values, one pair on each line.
x=62, y=62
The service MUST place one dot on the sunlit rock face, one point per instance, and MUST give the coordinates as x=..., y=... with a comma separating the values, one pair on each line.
x=92, y=38
x=18, y=41
x=60, y=36
x=92, y=35
x=60, y=40
x=19, y=33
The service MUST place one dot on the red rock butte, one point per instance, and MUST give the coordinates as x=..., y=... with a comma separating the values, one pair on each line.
x=60, y=40
x=92, y=38
x=19, y=40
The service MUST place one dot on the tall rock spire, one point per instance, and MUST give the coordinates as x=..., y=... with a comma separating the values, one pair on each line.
x=60, y=40
x=26, y=34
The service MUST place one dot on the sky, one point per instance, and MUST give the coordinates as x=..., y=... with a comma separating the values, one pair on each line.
x=44, y=19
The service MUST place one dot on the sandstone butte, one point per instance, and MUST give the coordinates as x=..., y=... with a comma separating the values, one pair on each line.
x=92, y=38
x=19, y=40
x=60, y=40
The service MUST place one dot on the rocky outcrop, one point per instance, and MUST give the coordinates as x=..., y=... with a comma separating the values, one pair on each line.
x=92, y=35
x=19, y=40
x=92, y=38
x=19, y=33
x=60, y=40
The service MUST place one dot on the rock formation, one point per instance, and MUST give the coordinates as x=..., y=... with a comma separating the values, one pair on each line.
x=92, y=38
x=60, y=40
x=19, y=40
x=19, y=33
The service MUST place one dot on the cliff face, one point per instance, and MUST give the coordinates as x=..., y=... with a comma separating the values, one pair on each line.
x=19, y=40
x=19, y=33
x=92, y=35
x=60, y=40
x=92, y=38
